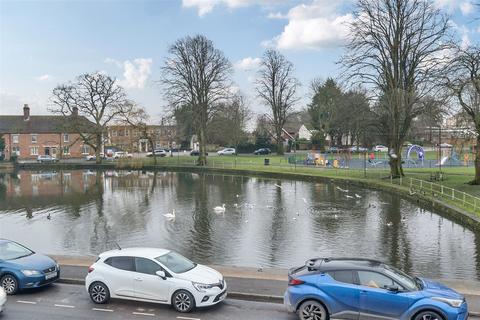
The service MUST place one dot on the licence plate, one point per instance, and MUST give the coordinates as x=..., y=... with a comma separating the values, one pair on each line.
x=50, y=275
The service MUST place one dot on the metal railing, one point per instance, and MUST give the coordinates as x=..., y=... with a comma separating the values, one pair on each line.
x=458, y=197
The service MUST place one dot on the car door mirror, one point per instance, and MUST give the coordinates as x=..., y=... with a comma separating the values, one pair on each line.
x=392, y=288
x=161, y=274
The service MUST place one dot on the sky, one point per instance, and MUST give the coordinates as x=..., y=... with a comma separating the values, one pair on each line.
x=47, y=43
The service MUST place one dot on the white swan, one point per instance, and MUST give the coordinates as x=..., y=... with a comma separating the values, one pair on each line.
x=343, y=190
x=389, y=224
x=278, y=186
x=219, y=209
x=358, y=196
x=349, y=197
x=170, y=216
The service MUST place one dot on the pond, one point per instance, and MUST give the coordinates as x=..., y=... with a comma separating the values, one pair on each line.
x=270, y=223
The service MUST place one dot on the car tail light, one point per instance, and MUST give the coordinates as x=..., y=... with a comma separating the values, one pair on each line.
x=90, y=269
x=295, y=282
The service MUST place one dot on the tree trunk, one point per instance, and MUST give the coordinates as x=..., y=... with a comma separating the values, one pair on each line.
x=279, y=144
x=396, y=169
x=476, y=181
x=153, y=152
x=98, y=158
x=202, y=157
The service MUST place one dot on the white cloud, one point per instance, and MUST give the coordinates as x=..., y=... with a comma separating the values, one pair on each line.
x=113, y=61
x=313, y=26
x=206, y=6
x=135, y=74
x=466, y=8
x=43, y=77
x=248, y=64
x=276, y=15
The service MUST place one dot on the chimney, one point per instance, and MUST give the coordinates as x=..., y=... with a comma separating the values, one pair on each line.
x=75, y=111
x=26, y=112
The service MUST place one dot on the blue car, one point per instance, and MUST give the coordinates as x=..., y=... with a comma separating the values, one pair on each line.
x=21, y=268
x=351, y=288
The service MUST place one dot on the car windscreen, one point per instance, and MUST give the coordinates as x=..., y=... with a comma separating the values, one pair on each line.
x=404, y=279
x=176, y=262
x=11, y=250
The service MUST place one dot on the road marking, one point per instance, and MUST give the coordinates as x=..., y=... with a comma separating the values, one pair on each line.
x=143, y=314
x=64, y=306
x=187, y=318
x=26, y=302
x=104, y=310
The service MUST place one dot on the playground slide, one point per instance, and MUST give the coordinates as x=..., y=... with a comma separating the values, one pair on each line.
x=443, y=161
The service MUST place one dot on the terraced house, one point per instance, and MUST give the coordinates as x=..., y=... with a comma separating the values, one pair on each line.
x=28, y=136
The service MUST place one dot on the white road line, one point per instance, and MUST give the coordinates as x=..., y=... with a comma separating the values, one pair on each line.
x=64, y=306
x=104, y=310
x=143, y=314
x=187, y=318
x=26, y=302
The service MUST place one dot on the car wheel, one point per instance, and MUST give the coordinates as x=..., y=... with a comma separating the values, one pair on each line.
x=428, y=315
x=99, y=293
x=183, y=301
x=312, y=310
x=9, y=284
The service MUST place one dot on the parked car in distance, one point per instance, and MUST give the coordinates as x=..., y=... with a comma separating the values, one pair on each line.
x=333, y=149
x=154, y=275
x=93, y=157
x=353, y=288
x=197, y=153
x=357, y=149
x=158, y=153
x=262, y=151
x=121, y=155
x=22, y=268
x=380, y=148
x=227, y=151
x=46, y=159
x=3, y=299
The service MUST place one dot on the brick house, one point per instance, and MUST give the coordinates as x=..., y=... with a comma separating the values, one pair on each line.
x=128, y=138
x=28, y=136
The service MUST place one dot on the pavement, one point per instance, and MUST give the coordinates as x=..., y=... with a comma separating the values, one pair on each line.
x=251, y=284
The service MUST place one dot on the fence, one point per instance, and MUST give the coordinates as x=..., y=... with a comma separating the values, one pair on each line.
x=459, y=198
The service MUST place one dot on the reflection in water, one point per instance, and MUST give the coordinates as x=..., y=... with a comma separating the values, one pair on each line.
x=267, y=222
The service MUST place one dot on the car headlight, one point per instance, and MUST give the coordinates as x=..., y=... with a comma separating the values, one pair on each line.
x=456, y=303
x=202, y=286
x=29, y=273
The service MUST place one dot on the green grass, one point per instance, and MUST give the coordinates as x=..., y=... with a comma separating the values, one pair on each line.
x=454, y=177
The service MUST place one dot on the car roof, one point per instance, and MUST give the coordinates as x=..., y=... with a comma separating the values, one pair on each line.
x=150, y=253
x=326, y=264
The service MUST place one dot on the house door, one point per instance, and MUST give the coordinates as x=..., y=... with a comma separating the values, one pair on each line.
x=47, y=151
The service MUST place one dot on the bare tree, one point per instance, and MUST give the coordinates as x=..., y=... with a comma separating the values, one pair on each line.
x=464, y=82
x=95, y=96
x=277, y=87
x=396, y=47
x=138, y=119
x=197, y=74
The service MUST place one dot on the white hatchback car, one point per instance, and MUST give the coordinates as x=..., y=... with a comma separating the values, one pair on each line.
x=227, y=151
x=3, y=299
x=154, y=275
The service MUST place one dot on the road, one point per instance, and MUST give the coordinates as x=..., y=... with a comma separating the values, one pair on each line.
x=64, y=301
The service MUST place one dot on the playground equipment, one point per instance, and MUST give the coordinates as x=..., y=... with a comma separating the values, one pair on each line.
x=420, y=155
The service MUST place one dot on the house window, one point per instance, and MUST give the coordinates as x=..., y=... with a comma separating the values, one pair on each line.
x=15, y=138
x=85, y=149
x=66, y=150
x=157, y=145
x=16, y=150
x=127, y=132
x=34, y=138
x=66, y=138
x=135, y=133
x=34, y=151
x=114, y=133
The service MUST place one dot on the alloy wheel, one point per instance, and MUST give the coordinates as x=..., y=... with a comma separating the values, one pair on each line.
x=99, y=293
x=312, y=310
x=430, y=316
x=9, y=284
x=182, y=302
